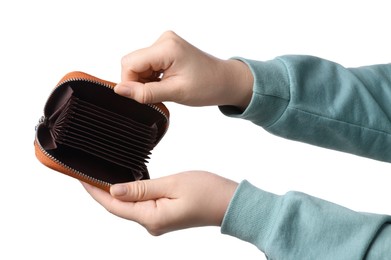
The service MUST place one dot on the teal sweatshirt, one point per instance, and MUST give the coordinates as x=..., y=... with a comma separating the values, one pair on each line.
x=319, y=102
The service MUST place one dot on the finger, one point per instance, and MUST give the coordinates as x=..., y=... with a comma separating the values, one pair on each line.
x=153, y=58
x=101, y=196
x=128, y=210
x=150, y=92
x=167, y=35
x=143, y=190
x=147, y=60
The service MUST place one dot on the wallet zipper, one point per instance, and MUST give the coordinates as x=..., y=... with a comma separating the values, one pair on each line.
x=76, y=172
x=43, y=119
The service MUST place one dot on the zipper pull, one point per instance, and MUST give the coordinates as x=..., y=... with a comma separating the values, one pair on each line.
x=42, y=120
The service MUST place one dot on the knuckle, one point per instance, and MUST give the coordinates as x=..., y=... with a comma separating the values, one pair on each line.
x=124, y=61
x=173, y=45
x=155, y=228
x=169, y=34
x=155, y=233
x=172, y=41
x=148, y=95
x=139, y=191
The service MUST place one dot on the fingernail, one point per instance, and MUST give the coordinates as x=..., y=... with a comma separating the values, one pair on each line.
x=118, y=190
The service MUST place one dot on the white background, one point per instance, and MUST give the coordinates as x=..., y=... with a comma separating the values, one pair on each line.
x=46, y=215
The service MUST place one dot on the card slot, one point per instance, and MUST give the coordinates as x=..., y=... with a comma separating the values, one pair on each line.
x=112, y=145
x=140, y=149
x=124, y=119
x=84, y=119
x=113, y=122
x=106, y=111
x=98, y=149
x=88, y=148
x=82, y=135
x=136, y=140
x=99, y=123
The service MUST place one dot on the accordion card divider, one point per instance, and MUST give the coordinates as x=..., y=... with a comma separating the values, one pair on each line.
x=92, y=133
x=95, y=135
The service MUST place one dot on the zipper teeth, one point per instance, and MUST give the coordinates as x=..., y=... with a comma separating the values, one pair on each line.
x=165, y=116
x=159, y=110
x=79, y=173
x=85, y=176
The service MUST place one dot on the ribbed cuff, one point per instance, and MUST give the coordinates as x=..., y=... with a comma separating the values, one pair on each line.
x=270, y=93
x=250, y=215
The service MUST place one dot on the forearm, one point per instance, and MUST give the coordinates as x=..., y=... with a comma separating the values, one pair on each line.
x=298, y=226
x=319, y=102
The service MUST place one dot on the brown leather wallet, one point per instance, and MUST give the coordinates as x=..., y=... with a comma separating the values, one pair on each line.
x=92, y=134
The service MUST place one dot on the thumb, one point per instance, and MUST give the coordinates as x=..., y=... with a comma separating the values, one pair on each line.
x=139, y=190
x=150, y=92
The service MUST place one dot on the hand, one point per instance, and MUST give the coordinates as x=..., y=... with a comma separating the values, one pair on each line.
x=184, y=200
x=174, y=70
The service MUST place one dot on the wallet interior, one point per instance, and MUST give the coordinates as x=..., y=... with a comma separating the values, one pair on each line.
x=99, y=133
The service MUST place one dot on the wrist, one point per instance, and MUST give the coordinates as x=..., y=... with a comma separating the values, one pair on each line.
x=222, y=199
x=239, y=83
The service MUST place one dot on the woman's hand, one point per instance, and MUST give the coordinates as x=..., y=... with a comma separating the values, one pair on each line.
x=174, y=70
x=184, y=200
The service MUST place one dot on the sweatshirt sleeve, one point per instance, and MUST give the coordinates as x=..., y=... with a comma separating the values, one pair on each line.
x=298, y=226
x=319, y=102
x=312, y=100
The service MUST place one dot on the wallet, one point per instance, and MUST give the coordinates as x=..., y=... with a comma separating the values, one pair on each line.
x=95, y=135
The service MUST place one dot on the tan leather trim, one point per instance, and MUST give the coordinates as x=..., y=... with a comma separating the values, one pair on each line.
x=82, y=75
x=47, y=161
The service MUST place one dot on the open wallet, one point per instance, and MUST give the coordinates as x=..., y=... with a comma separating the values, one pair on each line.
x=95, y=135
